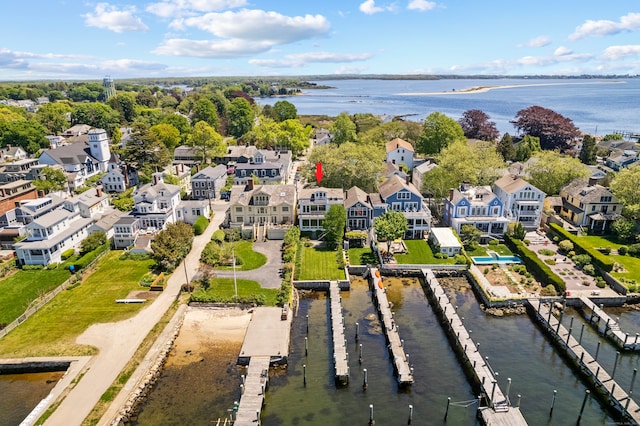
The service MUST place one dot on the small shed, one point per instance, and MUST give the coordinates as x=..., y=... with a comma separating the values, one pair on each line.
x=445, y=241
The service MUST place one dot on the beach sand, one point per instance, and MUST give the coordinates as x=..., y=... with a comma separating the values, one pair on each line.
x=483, y=89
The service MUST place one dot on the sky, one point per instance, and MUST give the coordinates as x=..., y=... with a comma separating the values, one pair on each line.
x=80, y=39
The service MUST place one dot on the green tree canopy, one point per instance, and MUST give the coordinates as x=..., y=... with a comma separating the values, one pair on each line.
x=343, y=129
x=470, y=236
x=93, y=241
x=240, y=117
x=334, y=222
x=505, y=147
x=125, y=104
x=391, y=225
x=205, y=110
x=478, y=165
x=206, y=142
x=625, y=185
x=181, y=123
x=145, y=151
x=438, y=132
x=96, y=115
x=284, y=110
x=171, y=245
x=527, y=147
x=552, y=171
x=589, y=150
x=379, y=135
x=53, y=116
x=50, y=179
x=167, y=134
x=29, y=135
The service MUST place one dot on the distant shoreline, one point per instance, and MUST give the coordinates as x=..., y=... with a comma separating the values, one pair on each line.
x=484, y=89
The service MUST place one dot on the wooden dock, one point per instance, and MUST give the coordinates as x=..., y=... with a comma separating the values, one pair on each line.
x=499, y=410
x=603, y=383
x=254, y=387
x=611, y=328
x=396, y=345
x=340, y=355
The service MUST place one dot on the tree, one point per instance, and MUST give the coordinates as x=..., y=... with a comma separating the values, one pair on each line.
x=438, y=132
x=145, y=151
x=470, y=236
x=625, y=186
x=240, y=117
x=476, y=125
x=347, y=165
x=205, y=110
x=552, y=171
x=293, y=136
x=28, y=135
x=53, y=116
x=334, y=222
x=93, y=241
x=624, y=228
x=206, y=142
x=478, y=165
x=181, y=123
x=171, y=245
x=391, y=225
x=125, y=104
x=212, y=254
x=589, y=150
x=554, y=130
x=528, y=146
x=343, y=129
x=50, y=179
x=505, y=147
x=124, y=201
x=100, y=116
x=284, y=110
x=167, y=134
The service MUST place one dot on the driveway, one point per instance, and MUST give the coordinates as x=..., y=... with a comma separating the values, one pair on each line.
x=269, y=274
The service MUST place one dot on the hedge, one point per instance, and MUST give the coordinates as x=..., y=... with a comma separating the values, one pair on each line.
x=90, y=257
x=601, y=260
x=535, y=265
x=200, y=225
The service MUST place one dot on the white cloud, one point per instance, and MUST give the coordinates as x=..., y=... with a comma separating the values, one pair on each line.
x=172, y=8
x=346, y=70
x=421, y=5
x=629, y=22
x=260, y=26
x=620, y=52
x=233, y=48
x=540, y=41
x=111, y=18
x=562, y=51
x=369, y=7
x=301, y=59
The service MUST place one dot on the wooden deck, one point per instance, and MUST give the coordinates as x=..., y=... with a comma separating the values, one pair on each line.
x=255, y=385
x=396, y=346
x=340, y=355
x=499, y=410
x=610, y=327
x=603, y=382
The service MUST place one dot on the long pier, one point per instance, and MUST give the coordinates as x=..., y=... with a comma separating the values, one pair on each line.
x=611, y=327
x=603, y=383
x=499, y=410
x=396, y=345
x=340, y=355
x=253, y=389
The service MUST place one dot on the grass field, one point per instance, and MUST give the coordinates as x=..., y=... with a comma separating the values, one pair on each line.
x=249, y=259
x=224, y=289
x=319, y=264
x=419, y=252
x=362, y=256
x=631, y=264
x=20, y=289
x=53, y=329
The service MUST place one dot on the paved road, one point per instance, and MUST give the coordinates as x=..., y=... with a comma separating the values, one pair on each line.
x=117, y=342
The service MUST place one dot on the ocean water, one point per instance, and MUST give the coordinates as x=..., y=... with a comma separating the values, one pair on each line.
x=596, y=106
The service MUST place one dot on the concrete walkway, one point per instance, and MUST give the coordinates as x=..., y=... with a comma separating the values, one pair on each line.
x=117, y=342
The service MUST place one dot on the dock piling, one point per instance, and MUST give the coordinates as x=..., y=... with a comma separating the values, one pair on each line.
x=446, y=412
x=595, y=358
x=371, y=421
x=633, y=379
x=518, y=402
x=410, y=414
x=360, y=353
x=581, y=332
x=306, y=346
x=615, y=365
x=508, y=390
x=357, y=331
x=365, y=381
x=584, y=402
x=304, y=373
x=553, y=402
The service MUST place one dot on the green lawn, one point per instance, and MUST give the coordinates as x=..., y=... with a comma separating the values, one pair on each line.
x=319, y=264
x=630, y=263
x=478, y=251
x=362, y=256
x=597, y=241
x=20, y=289
x=224, y=289
x=419, y=252
x=501, y=249
x=53, y=329
x=249, y=259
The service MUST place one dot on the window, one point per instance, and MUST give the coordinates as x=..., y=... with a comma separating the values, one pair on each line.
x=238, y=209
x=285, y=208
x=396, y=206
x=403, y=195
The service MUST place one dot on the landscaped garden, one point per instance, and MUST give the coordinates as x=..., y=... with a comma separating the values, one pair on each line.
x=53, y=329
x=319, y=263
x=223, y=290
x=362, y=256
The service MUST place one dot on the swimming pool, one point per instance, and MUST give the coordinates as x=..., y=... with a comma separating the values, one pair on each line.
x=495, y=258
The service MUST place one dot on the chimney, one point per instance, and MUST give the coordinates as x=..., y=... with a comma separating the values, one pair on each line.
x=593, y=181
x=125, y=172
x=250, y=184
x=177, y=170
x=155, y=179
x=450, y=194
x=407, y=179
x=8, y=148
x=99, y=192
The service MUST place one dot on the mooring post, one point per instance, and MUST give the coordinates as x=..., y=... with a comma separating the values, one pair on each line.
x=243, y=378
x=597, y=350
x=446, y=412
x=304, y=373
x=633, y=379
x=306, y=346
x=615, y=364
x=571, y=323
x=241, y=389
x=360, y=353
x=581, y=357
x=410, y=414
x=606, y=327
x=371, y=421
x=636, y=341
x=553, y=402
x=597, y=371
x=357, y=331
x=258, y=416
x=401, y=342
x=581, y=332
x=364, y=383
x=493, y=391
x=626, y=404
x=591, y=316
x=626, y=337
x=307, y=324
x=508, y=389
x=584, y=402
x=519, y=398
x=559, y=323
x=569, y=334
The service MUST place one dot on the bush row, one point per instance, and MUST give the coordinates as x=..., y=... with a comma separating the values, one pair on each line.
x=200, y=225
x=290, y=251
x=86, y=260
x=601, y=260
x=536, y=266
x=204, y=297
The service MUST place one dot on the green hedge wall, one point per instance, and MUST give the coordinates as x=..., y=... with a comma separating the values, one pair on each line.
x=535, y=265
x=601, y=260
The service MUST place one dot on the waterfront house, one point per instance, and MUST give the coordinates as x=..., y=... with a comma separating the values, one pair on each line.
x=521, y=201
x=93, y=203
x=359, y=209
x=477, y=206
x=125, y=231
x=313, y=204
x=403, y=196
x=586, y=203
x=13, y=153
x=155, y=204
x=399, y=152
x=619, y=160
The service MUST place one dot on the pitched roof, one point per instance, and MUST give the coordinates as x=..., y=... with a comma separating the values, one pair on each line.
x=394, y=184
x=75, y=153
x=331, y=192
x=211, y=172
x=278, y=194
x=355, y=195
x=399, y=143
x=581, y=190
x=511, y=183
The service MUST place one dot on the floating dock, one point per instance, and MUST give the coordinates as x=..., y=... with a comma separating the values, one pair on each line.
x=340, y=355
x=253, y=390
x=611, y=328
x=499, y=410
x=396, y=346
x=589, y=367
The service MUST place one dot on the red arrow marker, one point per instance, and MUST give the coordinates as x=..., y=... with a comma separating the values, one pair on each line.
x=318, y=172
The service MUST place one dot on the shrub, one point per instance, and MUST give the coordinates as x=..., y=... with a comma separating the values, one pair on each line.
x=581, y=260
x=634, y=250
x=218, y=236
x=493, y=243
x=232, y=234
x=92, y=242
x=32, y=267
x=566, y=246
x=460, y=259
x=546, y=252
x=622, y=250
x=67, y=254
x=605, y=250
x=486, y=271
x=600, y=260
x=200, y=225
x=85, y=260
x=550, y=261
x=600, y=283
x=556, y=239
x=527, y=242
x=439, y=255
x=147, y=279
x=541, y=270
x=548, y=291
x=589, y=269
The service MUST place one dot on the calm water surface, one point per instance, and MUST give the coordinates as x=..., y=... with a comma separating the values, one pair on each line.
x=20, y=393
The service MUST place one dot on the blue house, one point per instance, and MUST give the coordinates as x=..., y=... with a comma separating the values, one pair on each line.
x=402, y=196
x=477, y=206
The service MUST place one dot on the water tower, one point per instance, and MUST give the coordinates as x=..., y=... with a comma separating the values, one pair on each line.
x=109, y=87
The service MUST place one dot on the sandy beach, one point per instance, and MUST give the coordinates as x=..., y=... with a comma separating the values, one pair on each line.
x=483, y=89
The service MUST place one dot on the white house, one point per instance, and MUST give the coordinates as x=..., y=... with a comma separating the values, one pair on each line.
x=92, y=203
x=522, y=202
x=189, y=210
x=400, y=152
x=445, y=241
x=417, y=177
x=314, y=203
x=155, y=204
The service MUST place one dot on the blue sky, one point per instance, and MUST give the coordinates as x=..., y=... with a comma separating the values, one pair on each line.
x=79, y=39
